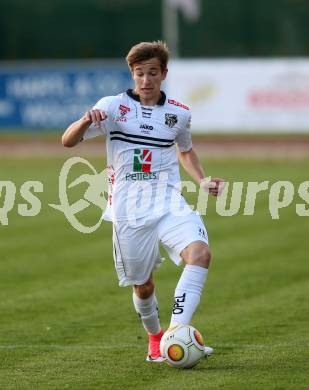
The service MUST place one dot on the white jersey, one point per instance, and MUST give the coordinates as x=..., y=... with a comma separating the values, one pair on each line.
x=141, y=153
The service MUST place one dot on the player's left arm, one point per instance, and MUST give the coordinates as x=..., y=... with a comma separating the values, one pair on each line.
x=192, y=165
x=190, y=161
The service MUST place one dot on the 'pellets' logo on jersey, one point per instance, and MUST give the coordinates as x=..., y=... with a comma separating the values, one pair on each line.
x=142, y=160
x=171, y=120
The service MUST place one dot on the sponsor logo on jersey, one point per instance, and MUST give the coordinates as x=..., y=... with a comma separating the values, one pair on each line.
x=171, y=101
x=142, y=160
x=146, y=127
x=171, y=120
x=141, y=176
x=120, y=119
x=111, y=182
x=123, y=111
x=202, y=232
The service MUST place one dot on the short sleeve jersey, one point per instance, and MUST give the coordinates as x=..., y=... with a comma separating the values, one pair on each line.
x=141, y=152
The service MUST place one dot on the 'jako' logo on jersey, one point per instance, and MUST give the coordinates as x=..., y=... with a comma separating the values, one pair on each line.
x=142, y=160
x=146, y=127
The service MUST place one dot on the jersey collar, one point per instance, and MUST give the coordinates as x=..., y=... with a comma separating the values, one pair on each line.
x=132, y=95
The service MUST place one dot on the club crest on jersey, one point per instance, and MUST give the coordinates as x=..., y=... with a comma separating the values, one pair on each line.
x=171, y=120
x=123, y=111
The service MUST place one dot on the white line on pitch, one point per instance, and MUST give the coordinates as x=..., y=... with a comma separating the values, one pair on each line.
x=73, y=346
x=128, y=346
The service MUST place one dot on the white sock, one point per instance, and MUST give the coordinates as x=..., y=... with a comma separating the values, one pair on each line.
x=188, y=294
x=147, y=309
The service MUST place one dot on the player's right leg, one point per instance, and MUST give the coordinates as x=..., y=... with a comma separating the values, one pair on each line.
x=146, y=306
x=136, y=255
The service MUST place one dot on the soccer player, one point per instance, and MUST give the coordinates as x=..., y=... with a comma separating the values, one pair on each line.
x=147, y=133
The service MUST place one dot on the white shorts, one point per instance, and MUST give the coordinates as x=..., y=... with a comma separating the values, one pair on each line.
x=136, y=248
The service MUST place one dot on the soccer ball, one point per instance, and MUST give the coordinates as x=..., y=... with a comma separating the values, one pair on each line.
x=182, y=346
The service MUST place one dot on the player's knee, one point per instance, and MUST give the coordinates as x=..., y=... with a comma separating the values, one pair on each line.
x=201, y=257
x=145, y=290
x=206, y=257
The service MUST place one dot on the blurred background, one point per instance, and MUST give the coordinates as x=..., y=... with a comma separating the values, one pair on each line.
x=241, y=66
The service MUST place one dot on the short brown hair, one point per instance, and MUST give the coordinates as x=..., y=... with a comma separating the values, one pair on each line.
x=147, y=50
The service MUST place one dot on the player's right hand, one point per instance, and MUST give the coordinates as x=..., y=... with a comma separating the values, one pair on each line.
x=95, y=116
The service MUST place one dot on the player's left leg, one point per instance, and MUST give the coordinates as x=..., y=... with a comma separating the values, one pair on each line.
x=190, y=286
x=185, y=239
x=191, y=283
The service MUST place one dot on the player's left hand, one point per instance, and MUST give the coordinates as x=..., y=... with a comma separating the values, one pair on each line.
x=214, y=186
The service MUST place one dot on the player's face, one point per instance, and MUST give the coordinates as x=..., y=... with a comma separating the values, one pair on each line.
x=148, y=77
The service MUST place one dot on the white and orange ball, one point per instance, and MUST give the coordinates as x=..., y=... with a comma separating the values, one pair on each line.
x=182, y=346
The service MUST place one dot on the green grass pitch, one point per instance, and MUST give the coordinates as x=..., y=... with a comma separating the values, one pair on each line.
x=65, y=323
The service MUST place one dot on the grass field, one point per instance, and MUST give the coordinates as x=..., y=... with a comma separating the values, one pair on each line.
x=65, y=323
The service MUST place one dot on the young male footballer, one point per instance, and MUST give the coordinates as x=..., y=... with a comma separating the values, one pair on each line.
x=147, y=133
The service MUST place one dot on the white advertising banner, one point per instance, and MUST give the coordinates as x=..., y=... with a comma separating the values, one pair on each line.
x=243, y=95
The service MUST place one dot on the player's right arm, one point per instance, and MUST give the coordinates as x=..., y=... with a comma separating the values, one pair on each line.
x=76, y=131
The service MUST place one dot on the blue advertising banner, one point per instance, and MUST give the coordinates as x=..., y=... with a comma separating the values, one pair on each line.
x=47, y=96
